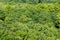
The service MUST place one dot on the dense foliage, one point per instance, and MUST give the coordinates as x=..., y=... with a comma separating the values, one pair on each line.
x=25, y=22
x=28, y=20
x=30, y=1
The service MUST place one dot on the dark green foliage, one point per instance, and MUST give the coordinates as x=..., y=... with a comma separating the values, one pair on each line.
x=30, y=1
x=51, y=1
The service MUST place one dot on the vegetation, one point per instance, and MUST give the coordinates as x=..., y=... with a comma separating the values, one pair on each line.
x=26, y=21
x=30, y=1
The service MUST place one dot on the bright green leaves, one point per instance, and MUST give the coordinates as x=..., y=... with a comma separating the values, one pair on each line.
x=29, y=22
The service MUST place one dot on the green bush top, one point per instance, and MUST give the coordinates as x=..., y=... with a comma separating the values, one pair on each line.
x=29, y=22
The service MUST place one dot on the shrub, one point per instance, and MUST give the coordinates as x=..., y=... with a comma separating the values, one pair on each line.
x=29, y=22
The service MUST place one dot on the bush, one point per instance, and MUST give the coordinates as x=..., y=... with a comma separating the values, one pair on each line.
x=29, y=22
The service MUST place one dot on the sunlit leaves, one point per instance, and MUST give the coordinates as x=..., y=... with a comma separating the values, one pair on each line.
x=29, y=22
